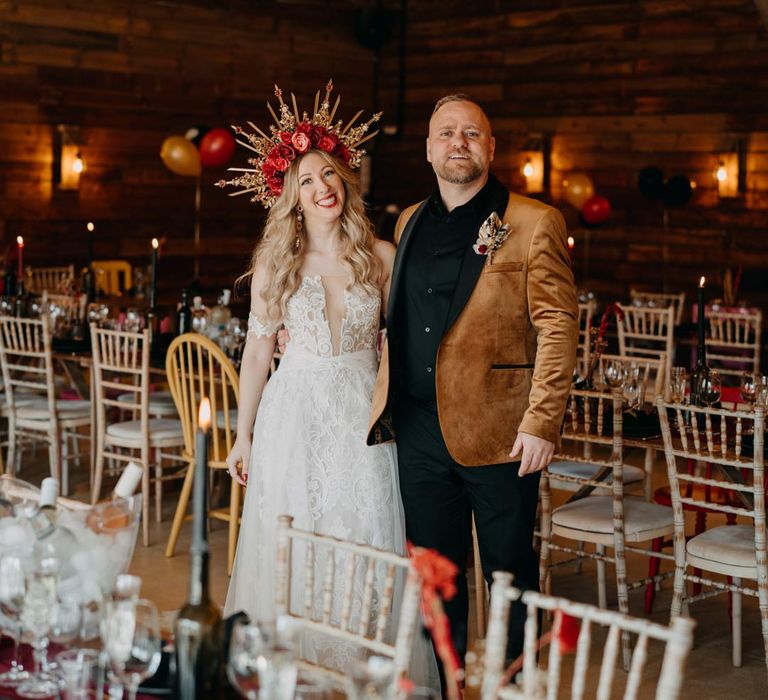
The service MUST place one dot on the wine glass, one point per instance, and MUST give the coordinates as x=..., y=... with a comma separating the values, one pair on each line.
x=132, y=638
x=79, y=672
x=372, y=679
x=13, y=587
x=633, y=393
x=133, y=320
x=710, y=386
x=614, y=373
x=748, y=388
x=678, y=379
x=761, y=392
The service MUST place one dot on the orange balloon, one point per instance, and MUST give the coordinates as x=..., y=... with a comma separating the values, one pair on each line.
x=180, y=156
x=578, y=189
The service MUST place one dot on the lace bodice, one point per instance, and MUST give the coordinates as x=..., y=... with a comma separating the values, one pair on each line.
x=308, y=326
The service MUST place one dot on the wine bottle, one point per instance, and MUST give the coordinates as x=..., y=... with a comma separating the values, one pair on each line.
x=20, y=305
x=198, y=628
x=49, y=492
x=700, y=370
x=115, y=512
x=184, y=315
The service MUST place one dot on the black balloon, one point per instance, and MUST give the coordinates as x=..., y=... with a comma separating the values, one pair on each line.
x=651, y=182
x=677, y=191
x=195, y=134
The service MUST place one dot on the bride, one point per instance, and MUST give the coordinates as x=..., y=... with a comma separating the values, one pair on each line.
x=320, y=272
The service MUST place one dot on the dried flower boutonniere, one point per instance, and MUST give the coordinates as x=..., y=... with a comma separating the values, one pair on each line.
x=492, y=234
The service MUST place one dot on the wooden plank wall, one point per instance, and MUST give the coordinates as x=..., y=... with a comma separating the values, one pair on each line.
x=618, y=86
x=130, y=74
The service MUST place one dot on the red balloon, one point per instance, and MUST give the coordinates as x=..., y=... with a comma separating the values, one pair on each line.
x=596, y=210
x=216, y=148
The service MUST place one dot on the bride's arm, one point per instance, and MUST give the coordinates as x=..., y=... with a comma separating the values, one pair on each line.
x=254, y=370
x=385, y=252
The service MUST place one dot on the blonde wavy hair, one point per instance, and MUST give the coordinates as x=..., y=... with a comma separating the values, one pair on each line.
x=278, y=252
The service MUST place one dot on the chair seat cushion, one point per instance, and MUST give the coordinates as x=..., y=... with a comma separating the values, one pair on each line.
x=159, y=429
x=727, y=549
x=630, y=474
x=159, y=401
x=37, y=409
x=642, y=521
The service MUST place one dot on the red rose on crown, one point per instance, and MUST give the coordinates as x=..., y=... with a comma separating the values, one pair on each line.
x=268, y=168
x=342, y=152
x=303, y=128
x=278, y=164
x=275, y=183
x=316, y=133
x=285, y=137
x=328, y=143
x=301, y=141
x=285, y=151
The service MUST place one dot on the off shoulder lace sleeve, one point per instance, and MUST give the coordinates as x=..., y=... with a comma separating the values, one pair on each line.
x=258, y=328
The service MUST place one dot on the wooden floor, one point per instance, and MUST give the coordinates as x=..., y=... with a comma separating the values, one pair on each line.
x=709, y=675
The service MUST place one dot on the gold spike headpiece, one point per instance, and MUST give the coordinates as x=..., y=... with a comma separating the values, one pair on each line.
x=289, y=137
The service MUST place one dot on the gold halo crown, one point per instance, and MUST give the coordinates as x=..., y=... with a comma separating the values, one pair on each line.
x=291, y=136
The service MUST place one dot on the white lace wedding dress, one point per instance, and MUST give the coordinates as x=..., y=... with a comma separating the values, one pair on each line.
x=310, y=459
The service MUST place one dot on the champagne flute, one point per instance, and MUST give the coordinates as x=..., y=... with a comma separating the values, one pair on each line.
x=133, y=641
x=13, y=587
x=614, y=373
x=79, y=673
x=678, y=379
x=761, y=393
x=748, y=388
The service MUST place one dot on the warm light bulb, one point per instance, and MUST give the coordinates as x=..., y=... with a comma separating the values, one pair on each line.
x=204, y=415
x=701, y=281
x=90, y=226
x=528, y=168
x=155, y=243
x=77, y=164
x=20, y=241
x=571, y=243
x=721, y=174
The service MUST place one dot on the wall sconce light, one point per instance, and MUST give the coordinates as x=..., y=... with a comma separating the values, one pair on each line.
x=536, y=164
x=731, y=171
x=68, y=163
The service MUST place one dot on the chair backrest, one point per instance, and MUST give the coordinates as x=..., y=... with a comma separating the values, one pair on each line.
x=678, y=638
x=733, y=341
x=647, y=332
x=651, y=373
x=120, y=365
x=731, y=444
x=196, y=367
x=27, y=361
x=53, y=279
x=586, y=313
x=113, y=277
x=662, y=300
x=330, y=603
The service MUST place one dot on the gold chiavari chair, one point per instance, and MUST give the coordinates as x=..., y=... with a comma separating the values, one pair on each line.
x=733, y=341
x=661, y=300
x=331, y=604
x=731, y=443
x=196, y=367
x=648, y=332
x=51, y=279
x=677, y=638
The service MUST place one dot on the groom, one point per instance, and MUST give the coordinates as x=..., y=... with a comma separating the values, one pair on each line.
x=482, y=333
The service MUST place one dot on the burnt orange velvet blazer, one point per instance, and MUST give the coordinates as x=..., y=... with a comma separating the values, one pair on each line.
x=505, y=363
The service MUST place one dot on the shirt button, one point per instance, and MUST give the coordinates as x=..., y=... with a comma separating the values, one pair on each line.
x=429, y=290
x=426, y=329
x=429, y=369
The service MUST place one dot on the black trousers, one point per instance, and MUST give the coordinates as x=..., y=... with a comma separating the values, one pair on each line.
x=439, y=497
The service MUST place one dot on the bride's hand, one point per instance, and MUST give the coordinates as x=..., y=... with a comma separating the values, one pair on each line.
x=240, y=455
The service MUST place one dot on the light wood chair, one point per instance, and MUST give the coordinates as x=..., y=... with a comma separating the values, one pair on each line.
x=677, y=638
x=616, y=521
x=364, y=619
x=648, y=332
x=121, y=364
x=113, y=277
x=52, y=279
x=34, y=413
x=661, y=300
x=586, y=314
x=196, y=367
x=737, y=551
x=733, y=341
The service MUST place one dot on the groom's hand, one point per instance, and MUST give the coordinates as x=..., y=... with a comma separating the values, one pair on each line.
x=283, y=338
x=536, y=453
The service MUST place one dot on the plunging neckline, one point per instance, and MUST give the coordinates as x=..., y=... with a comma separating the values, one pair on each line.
x=318, y=279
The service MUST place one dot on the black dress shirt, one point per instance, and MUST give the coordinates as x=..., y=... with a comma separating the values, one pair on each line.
x=431, y=269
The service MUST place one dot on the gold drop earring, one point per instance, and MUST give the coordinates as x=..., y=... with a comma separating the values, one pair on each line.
x=299, y=225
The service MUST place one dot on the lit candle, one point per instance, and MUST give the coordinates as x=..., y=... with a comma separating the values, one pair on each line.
x=90, y=227
x=571, y=243
x=701, y=350
x=199, y=495
x=20, y=247
x=153, y=287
